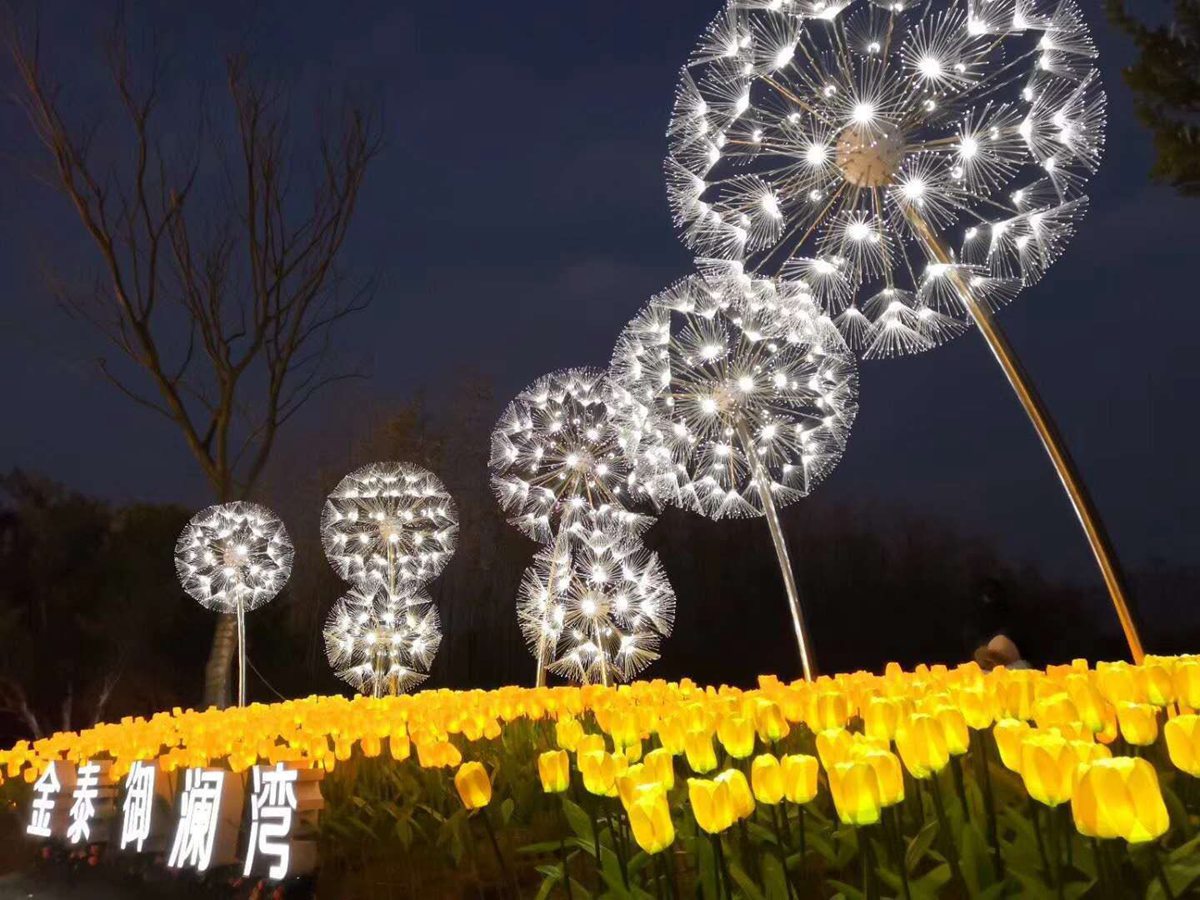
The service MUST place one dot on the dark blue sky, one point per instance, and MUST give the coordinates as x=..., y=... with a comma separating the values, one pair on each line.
x=518, y=218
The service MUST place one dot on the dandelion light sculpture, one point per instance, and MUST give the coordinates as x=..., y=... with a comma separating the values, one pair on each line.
x=597, y=608
x=232, y=559
x=735, y=408
x=391, y=524
x=912, y=165
x=382, y=643
x=556, y=458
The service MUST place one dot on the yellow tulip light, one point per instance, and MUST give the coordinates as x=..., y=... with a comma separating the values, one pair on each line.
x=567, y=733
x=600, y=770
x=554, y=769
x=740, y=796
x=1187, y=683
x=889, y=773
x=473, y=785
x=736, y=734
x=799, y=777
x=1048, y=764
x=701, y=757
x=1120, y=798
x=833, y=746
x=855, y=789
x=922, y=745
x=1183, y=743
x=1138, y=723
x=711, y=804
x=954, y=729
x=770, y=722
x=662, y=764
x=650, y=821
x=881, y=716
x=1009, y=735
x=766, y=777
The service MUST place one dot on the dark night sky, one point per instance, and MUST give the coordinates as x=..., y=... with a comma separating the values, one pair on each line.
x=518, y=218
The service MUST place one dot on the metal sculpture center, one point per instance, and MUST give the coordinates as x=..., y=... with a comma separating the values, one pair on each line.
x=870, y=154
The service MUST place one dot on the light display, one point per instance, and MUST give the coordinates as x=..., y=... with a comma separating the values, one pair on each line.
x=233, y=558
x=910, y=167
x=382, y=643
x=735, y=409
x=595, y=611
x=556, y=458
x=389, y=524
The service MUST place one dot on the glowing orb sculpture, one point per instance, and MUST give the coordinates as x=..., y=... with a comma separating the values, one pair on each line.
x=556, y=458
x=828, y=146
x=382, y=643
x=389, y=524
x=597, y=610
x=233, y=558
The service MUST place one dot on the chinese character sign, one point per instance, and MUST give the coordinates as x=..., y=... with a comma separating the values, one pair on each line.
x=139, y=805
x=209, y=810
x=272, y=811
x=83, y=806
x=45, y=796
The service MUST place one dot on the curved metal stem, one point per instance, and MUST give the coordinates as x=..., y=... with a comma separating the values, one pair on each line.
x=1039, y=416
x=763, y=480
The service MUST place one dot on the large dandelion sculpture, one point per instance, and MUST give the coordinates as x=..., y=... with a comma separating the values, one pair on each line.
x=391, y=524
x=737, y=407
x=911, y=164
x=388, y=529
x=560, y=473
x=556, y=458
x=597, y=608
x=234, y=558
x=382, y=643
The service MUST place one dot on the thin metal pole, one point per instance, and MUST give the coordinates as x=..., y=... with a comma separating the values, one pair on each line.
x=541, y=655
x=1052, y=440
x=763, y=480
x=241, y=637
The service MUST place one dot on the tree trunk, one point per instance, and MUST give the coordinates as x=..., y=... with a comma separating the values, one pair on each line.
x=220, y=662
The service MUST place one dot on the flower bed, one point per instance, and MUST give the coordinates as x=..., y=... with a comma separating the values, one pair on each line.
x=941, y=781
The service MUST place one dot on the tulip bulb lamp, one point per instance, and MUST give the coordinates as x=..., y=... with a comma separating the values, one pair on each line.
x=389, y=524
x=734, y=406
x=234, y=558
x=382, y=643
x=912, y=166
x=596, y=610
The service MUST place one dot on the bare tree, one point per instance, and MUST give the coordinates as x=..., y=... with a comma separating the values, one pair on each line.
x=219, y=272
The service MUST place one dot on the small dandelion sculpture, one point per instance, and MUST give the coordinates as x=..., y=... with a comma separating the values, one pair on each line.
x=556, y=458
x=234, y=558
x=598, y=608
x=911, y=164
x=382, y=643
x=388, y=529
x=735, y=407
x=390, y=524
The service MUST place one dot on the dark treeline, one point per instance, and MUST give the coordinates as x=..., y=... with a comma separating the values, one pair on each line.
x=94, y=626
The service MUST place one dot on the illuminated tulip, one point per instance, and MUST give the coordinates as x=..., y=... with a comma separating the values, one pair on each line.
x=1183, y=743
x=1117, y=683
x=954, y=729
x=589, y=743
x=922, y=745
x=600, y=770
x=799, y=777
x=1055, y=710
x=711, y=805
x=567, y=733
x=701, y=757
x=888, y=772
x=636, y=781
x=1138, y=723
x=1154, y=682
x=881, y=717
x=671, y=735
x=740, y=796
x=830, y=709
x=1120, y=798
x=770, y=722
x=766, y=777
x=1089, y=702
x=1088, y=752
x=976, y=707
x=1048, y=765
x=1187, y=683
x=650, y=821
x=855, y=789
x=474, y=786
x=833, y=746
x=554, y=768
x=736, y=735
x=662, y=764
x=1009, y=734
x=399, y=747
